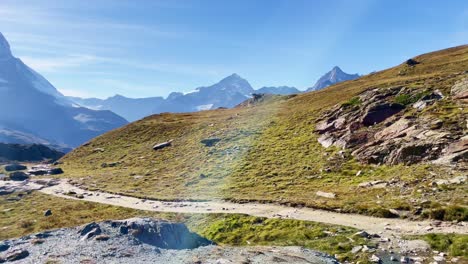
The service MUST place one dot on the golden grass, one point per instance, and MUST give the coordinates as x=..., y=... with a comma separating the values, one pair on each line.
x=269, y=152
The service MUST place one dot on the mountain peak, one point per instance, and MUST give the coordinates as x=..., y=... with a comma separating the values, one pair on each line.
x=4, y=47
x=336, y=75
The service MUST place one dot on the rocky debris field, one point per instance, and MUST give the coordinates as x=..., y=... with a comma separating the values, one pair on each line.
x=142, y=240
x=393, y=126
x=19, y=172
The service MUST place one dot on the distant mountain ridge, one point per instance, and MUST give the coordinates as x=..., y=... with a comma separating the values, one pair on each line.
x=336, y=75
x=32, y=110
x=228, y=92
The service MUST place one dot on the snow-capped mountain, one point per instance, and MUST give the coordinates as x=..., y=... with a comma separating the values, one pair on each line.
x=33, y=110
x=228, y=92
x=336, y=75
x=282, y=90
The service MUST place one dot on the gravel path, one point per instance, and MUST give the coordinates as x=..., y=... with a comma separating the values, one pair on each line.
x=388, y=227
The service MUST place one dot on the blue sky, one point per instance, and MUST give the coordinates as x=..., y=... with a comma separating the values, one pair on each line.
x=150, y=48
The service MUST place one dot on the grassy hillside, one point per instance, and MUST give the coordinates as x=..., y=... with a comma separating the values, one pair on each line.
x=269, y=151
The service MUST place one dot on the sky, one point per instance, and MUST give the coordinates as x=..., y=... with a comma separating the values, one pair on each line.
x=153, y=47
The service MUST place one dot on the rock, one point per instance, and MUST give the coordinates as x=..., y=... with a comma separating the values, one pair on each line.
x=16, y=255
x=363, y=234
x=55, y=171
x=412, y=62
x=394, y=212
x=94, y=232
x=162, y=145
x=392, y=258
x=374, y=184
x=439, y=259
x=356, y=249
x=48, y=212
x=326, y=194
x=123, y=230
x=460, y=90
x=326, y=140
x=37, y=241
x=428, y=99
x=454, y=260
x=209, y=142
x=324, y=126
x=110, y=165
x=404, y=259
x=102, y=237
x=87, y=228
x=378, y=113
x=164, y=234
x=358, y=173
x=18, y=176
x=14, y=167
x=4, y=246
x=374, y=259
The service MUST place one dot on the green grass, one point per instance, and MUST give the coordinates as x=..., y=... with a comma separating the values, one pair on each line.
x=241, y=230
x=23, y=215
x=269, y=153
x=453, y=244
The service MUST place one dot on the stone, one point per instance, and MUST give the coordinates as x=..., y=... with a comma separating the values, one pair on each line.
x=102, y=237
x=55, y=171
x=326, y=140
x=87, y=228
x=18, y=176
x=94, y=232
x=4, y=246
x=356, y=249
x=392, y=258
x=378, y=113
x=209, y=142
x=14, y=167
x=439, y=259
x=326, y=194
x=460, y=89
x=363, y=234
x=48, y=212
x=162, y=145
x=374, y=259
x=412, y=62
x=16, y=255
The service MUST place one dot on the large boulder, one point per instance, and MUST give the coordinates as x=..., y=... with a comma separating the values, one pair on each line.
x=163, y=234
x=14, y=167
x=18, y=176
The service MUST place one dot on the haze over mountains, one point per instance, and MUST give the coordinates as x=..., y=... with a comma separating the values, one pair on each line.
x=33, y=111
x=228, y=92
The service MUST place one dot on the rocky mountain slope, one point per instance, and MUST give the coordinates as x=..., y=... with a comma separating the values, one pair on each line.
x=336, y=75
x=32, y=110
x=228, y=92
x=319, y=149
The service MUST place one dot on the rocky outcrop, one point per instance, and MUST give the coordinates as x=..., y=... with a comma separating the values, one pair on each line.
x=145, y=241
x=377, y=129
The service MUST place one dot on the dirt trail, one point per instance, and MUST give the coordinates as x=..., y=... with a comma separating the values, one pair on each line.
x=389, y=227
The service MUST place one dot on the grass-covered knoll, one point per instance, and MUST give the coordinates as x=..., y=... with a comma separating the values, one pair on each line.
x=241, y=230
x=270, y=152
x=23, y=214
